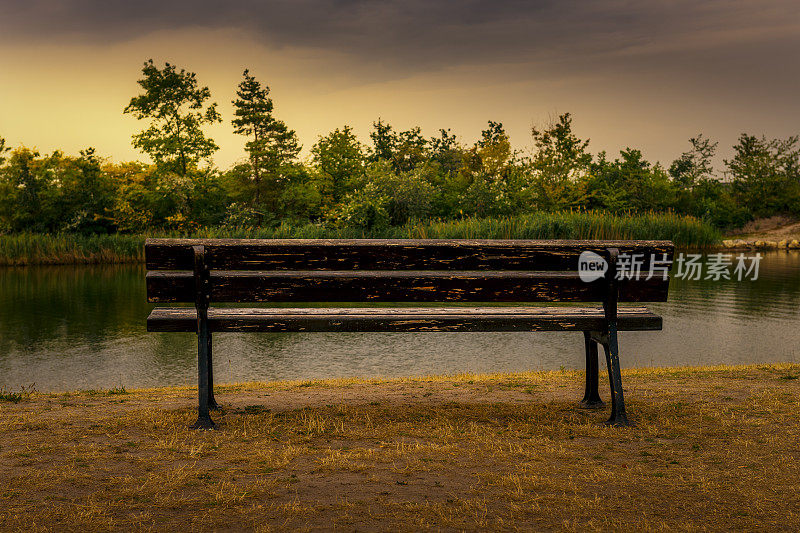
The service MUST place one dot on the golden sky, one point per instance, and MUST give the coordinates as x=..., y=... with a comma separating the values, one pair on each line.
x=643, y=74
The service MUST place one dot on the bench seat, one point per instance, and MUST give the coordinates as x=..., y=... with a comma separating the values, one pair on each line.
x=399, y=319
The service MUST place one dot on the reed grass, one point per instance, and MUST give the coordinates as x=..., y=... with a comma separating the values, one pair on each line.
x=684, y=231
x=65, y=248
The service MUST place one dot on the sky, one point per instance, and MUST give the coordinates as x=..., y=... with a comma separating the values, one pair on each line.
x=646, y=74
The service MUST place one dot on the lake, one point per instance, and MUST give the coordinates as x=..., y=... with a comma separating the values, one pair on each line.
x=70, y=327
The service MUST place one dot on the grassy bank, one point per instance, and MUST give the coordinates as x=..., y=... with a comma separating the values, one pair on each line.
x=686, y=232
x=715, y=448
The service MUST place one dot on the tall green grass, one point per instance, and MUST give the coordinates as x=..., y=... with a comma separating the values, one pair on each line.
x=684, y=231
x=49, y=249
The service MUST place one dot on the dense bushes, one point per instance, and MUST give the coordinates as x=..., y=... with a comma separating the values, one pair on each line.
x=386, y=185
x=401, y=176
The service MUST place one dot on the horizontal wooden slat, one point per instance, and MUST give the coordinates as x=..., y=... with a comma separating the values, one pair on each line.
x=382, y=254
x=398, y=286
x=402, y=319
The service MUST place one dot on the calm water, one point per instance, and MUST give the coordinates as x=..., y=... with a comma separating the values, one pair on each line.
x=64, y=328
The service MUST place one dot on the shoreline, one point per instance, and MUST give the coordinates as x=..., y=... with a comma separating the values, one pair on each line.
x=730, y=245
x=759, y=244
x=68, y=248
x=713, y=447
x=349, y=382
x=45, y=250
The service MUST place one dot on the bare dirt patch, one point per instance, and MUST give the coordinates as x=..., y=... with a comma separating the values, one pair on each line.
x=714, y=448
x=772, y=228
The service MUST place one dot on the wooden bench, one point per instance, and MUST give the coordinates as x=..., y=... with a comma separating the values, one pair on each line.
x=205, y=271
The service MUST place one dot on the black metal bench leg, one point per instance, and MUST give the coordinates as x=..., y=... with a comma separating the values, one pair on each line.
x=204, y=397
x=618, y=415
x=212, y=403
x=203, y=416
x=591, y=397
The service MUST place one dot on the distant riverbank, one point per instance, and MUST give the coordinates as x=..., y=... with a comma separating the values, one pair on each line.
x=773, y=233
x=685, y=232
x=714, y=447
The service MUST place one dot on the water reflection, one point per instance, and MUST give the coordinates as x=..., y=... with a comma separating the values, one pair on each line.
x=83, y=327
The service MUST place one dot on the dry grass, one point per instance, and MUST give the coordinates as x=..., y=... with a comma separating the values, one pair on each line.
x=715, y=448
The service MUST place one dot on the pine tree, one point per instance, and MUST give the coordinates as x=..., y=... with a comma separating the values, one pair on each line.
x=272, y=146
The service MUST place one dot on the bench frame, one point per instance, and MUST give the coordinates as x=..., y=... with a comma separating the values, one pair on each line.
x=606, y=334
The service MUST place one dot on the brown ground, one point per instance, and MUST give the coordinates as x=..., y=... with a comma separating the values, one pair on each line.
x=715, y=448
x=775, y=228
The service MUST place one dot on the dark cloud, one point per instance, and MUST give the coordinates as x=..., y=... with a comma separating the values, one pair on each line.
x=423, y=34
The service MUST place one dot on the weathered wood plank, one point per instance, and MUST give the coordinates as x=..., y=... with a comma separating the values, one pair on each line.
x=398, y=286
x=388, y=254
x=402, y=319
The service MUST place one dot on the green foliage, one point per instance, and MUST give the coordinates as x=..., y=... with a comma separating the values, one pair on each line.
x=405, y=150
x=366, y=220
x=446, y=152
x=175, y=105
x=387, y=198
x=694, y=166
x=271, y=145
x=399, y=185
x=207, y=201
x=384, y=141
x=766, y=174
x=24, y=184
x=339, y=160
x=70, y=248
x=365, y=209
x=3, y=150
x=87, y=195
x=683, y=230
x=629, y=183
x=55, y=193
x=558, y=163
x=15, y=397
x=490, y=179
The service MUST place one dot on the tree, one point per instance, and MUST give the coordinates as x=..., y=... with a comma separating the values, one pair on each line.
x=493, y=151
x=490, y=176
x=446, y=151
x=29, y=191
x=404, y=150
x=766, y=174
x=447, y=157
x=412, y=150
x=86, y=194
x=695, y=164
x=3, y=150
x=559, y=161
x=339, y=157
x=175, y=105
x=407, y=195
x=271, y=146
x=139, y=200
x=629, y=183
x=384, y=141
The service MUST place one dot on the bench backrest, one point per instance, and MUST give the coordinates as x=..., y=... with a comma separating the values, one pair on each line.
x=360, y=270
